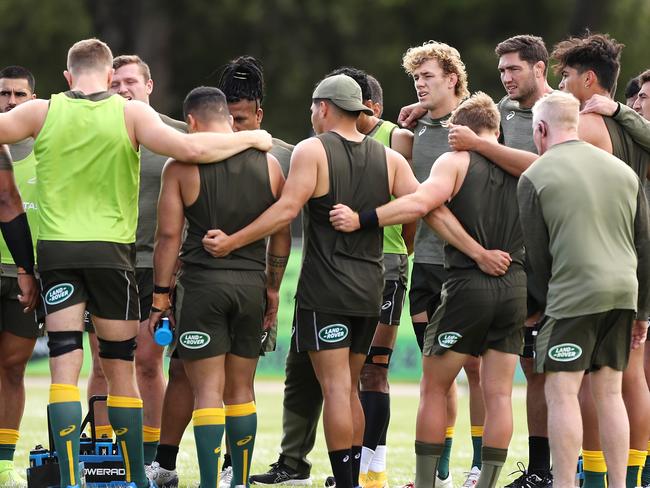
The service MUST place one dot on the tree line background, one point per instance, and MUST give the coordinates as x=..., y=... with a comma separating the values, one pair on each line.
x=187, y=42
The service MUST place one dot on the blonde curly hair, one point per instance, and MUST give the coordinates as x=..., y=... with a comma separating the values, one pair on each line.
x=448, y=58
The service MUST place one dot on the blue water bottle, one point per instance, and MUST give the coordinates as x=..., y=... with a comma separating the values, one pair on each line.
x=163, y=335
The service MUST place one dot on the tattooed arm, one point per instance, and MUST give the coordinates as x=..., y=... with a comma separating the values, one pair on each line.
x=277, y=255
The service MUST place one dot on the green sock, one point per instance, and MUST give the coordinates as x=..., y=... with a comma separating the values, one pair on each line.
x=492, y=460
x=477, y=443
x=635, y=461
x=65, y=419
x=427, y=457
x=125, y=415
x=443, y=463
x=594, y=469
x=208, y=432
x=645, y=474
x=151, y=438
x=8, y=440
x=241, y=426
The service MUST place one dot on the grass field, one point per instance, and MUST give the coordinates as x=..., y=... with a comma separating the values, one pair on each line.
x=401, y=459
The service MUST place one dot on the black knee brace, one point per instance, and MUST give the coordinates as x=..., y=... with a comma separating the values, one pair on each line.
x=64, y=342
x=124, y=350
x=379, y=356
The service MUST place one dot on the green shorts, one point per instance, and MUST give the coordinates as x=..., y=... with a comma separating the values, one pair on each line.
x=479, y=312
x=12, y=317
x=219, y=312
x=585, y=343
x=109, y=293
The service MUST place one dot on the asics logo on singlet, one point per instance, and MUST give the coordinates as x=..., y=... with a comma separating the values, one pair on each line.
x=448, y=339
x=121, y=431
x=333, y=333
x=59, y=293
x=422, y=130
x=264, y=336
x=386, y=305
x=68, y=430
x=565, y=352
x=245, y=440
x=32, y=180
x=510, y=115
x=194, y=339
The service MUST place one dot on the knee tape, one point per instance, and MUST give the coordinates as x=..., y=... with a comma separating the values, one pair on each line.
x=64, y=342
x=379, y=356
x=124, y=350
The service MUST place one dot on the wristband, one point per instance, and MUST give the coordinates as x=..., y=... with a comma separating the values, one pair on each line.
x=368, y=219
x=18, y=237
x=618, y=109
x=161, y=289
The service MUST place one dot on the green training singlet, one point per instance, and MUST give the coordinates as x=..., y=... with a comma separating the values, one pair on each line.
x=88, y=172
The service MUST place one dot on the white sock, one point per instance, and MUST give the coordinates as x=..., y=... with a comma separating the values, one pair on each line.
x=366, y=457
x=378, y=463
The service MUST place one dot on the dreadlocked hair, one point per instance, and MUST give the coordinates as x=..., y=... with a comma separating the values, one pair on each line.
x=243, y=79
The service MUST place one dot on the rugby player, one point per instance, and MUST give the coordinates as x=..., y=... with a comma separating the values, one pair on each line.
x=220, y=307
x=478, y=314
x=339, y=290
x=87, y=231
x=18, y=330
x=605, y=233
x=590, y=66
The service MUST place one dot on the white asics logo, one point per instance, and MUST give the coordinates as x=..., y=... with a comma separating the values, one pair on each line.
x=346, y=459
x=423, y=130
x=510, y=115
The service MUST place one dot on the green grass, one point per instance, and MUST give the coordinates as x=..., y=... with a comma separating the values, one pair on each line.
x=401, y=459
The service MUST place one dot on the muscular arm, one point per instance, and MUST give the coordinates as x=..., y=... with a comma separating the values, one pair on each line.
x=536, y=240
x=634, y=124
x=201, y=147
x=402, y=141
x=23, y=121
x=279, y=246
x=513, y=161
x=169, y=230
x=445, y=223
x=299, y=187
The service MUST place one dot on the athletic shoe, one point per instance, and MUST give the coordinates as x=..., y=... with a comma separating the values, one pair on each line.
x=446, y=483
x=280, y=474
x=530, y=480
x=9, y=477
x=472, y=477
x=225, y=477
x=161, y=477
x=377, y=479
x=330, y=482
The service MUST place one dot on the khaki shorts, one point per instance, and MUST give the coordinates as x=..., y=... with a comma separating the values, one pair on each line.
x=219, y=312
x=479, y=312
x=585, y=343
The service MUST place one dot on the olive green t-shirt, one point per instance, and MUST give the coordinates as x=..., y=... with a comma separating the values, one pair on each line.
x=584, y=216
x=430, y=142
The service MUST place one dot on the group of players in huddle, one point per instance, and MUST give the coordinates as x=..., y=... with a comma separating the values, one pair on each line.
x=528, y=221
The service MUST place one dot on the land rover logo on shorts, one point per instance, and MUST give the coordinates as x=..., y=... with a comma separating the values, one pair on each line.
x=59, y=293
x=194, y=339
x=333, y=333
x=565, y=352
x=448, y=339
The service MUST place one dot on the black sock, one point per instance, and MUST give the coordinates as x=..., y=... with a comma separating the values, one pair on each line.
x=226, y=461
x=166, y=456
x=539, y=455
x=355, y=455
x=342, y=468
x=418, y=328
x=376, y=409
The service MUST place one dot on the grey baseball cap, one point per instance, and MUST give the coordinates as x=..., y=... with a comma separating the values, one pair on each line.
x=343, y=92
